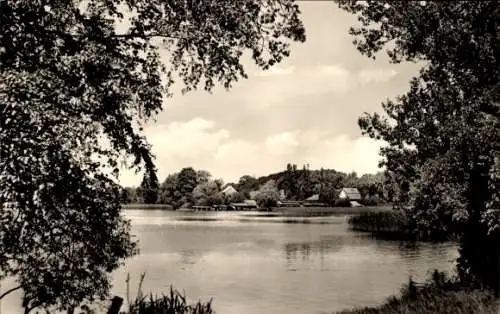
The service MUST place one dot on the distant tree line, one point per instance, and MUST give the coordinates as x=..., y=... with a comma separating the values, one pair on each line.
x=197, y=187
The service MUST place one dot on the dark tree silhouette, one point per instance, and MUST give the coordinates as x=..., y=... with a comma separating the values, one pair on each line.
x=444, y=134
x=74, y=93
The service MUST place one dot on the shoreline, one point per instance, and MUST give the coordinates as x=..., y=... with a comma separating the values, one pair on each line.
x=275, y=212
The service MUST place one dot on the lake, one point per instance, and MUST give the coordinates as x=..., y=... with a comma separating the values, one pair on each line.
x=251, y=264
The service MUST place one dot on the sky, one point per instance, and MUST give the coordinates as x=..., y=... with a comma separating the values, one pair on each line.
x=303, y=110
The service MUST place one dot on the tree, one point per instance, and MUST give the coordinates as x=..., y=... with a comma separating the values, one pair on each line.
x=168, y=190
x=149, y=188
x=186, y=182
x=74, y=94
x=236, y=197
x=268, y=195
x=203, y=176
x=443, y=134
x=247, y=184
x=207, y=194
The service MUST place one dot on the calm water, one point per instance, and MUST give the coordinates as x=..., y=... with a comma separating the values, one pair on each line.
x=264, y=265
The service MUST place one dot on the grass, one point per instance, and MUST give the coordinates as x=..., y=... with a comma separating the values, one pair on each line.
x=438, y=295
x=172, y=303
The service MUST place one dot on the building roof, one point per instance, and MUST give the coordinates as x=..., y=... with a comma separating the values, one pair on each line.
x=315, y=197
x=352, y=193
x=229, y=190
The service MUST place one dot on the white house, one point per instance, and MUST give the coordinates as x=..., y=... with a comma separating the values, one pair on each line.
x=351, y=194
x=229, y=190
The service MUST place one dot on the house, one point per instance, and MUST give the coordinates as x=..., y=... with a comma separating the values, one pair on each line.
x=247, y=204
x=314, y=201
x=229, y=190
x=351, y=194
x=314, y=198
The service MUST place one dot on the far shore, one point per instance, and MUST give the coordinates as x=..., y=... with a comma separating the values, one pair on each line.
x=279, y=211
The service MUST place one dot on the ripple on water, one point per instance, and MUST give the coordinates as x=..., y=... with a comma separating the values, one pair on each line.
x=264, y=265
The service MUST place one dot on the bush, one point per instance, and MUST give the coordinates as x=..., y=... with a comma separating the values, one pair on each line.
x=438, y=295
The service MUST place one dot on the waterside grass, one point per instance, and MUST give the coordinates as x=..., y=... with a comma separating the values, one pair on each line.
x=172, y=303
x=432, y=298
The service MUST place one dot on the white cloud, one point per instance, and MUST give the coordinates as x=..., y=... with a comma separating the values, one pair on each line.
x=276, y=71
x=376, y=75
x=199, y=144
x=302, y=81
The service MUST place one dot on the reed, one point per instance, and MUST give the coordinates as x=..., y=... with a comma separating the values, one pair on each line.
x=172, y=303
x=395, y=225
x=380, y=222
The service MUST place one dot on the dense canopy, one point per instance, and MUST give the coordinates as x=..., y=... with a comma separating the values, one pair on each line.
x=444, y=133
x=77, y=81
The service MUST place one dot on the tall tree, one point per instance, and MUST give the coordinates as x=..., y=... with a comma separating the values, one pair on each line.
x=444, y=134
x=69, y=79
x=167, y=190
x=149, y=188
x=187, y=180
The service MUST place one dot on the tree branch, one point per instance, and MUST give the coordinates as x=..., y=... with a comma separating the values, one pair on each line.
x=10, y=291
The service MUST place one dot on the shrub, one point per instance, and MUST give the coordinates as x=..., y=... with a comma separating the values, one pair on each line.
x=439, y=294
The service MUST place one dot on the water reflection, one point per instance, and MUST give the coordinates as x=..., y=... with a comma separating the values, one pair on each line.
x=303, y=251
x=269, y=265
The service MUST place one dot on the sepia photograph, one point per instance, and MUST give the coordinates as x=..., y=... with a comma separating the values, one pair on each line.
x=249, y=157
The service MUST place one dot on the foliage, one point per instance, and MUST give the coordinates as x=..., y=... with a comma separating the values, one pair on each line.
x=128, y=195
x=390, y=224
x=374, y=188
x=168, y=190
x=58, y=234
x=247, y=184
x=443, y=134
x=207, y=194
x=189, y=187
x=74, y=93
x=268, y=195
x=148, y=190
x=438, y=295
x=236, y=198
x=187, y=180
